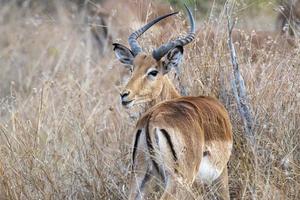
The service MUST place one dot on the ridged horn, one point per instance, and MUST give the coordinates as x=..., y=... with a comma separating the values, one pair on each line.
x=165, y=48
x=132, y=39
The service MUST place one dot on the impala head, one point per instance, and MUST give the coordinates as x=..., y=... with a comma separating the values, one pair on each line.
x=149, y=70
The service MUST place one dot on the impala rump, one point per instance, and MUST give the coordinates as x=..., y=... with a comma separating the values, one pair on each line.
x=187, y=133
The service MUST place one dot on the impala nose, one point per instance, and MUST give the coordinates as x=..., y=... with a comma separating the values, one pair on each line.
x=124, y=94
x=124, y=98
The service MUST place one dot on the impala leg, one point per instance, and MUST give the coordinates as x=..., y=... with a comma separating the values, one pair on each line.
x=139, y=183
x=170, y=189
x=222, y=185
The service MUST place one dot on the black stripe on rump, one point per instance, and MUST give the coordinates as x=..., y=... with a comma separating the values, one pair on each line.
x=137, y=136
x=169, y=141
x=143, y=183
x=151, y=150
x=168, y=138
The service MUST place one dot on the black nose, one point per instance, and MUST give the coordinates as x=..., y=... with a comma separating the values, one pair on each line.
x=124, y=94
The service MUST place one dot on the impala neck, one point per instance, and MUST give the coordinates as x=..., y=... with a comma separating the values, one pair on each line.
x=168, y=92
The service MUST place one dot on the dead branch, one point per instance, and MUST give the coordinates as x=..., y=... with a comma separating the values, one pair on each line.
x=239, y=90
x=238, y=86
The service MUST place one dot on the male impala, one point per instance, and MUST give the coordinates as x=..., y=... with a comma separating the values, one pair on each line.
x=182, y=139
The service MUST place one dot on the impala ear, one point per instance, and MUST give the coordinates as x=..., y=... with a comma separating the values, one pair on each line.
x=173, y=59
x=124, y=54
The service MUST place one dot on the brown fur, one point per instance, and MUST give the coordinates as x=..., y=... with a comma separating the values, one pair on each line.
x=179, y=139
x=146, y=91
x=195, y=125
x=189, y=127
x=207, y=111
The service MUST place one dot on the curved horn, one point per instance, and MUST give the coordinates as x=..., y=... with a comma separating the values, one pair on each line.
x=132, y=39
x=164, y=49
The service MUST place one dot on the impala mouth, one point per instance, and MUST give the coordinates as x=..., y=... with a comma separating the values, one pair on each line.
x=127, y=104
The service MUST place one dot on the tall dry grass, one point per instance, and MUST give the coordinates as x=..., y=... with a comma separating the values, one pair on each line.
x=64, y=134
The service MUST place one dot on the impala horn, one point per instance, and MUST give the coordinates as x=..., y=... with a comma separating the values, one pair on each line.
x=165, y=48
x=132, y=39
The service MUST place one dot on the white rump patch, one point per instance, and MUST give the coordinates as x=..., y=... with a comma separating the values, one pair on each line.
x=207, y=172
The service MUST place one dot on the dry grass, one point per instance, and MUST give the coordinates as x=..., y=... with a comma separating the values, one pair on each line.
x=64, y=134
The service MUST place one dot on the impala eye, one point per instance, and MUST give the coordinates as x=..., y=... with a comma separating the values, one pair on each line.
x=153, y=73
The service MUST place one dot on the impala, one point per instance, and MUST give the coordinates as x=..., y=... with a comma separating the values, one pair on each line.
x=288, y=19
x=180, y=139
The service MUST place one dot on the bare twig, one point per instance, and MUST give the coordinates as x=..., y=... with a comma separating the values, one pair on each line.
x=238, y=86
x=239, y=90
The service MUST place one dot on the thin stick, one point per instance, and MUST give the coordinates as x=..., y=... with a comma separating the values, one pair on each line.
x=238, y=86
x=239, y=90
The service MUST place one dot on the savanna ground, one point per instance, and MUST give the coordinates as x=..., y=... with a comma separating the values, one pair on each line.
x=63, y=132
